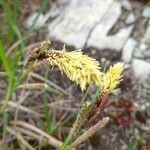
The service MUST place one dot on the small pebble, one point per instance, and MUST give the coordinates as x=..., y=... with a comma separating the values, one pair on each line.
x=146, y=12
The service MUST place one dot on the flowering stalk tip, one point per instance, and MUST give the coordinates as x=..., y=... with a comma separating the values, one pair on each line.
x=79, y=68
x=111, y=79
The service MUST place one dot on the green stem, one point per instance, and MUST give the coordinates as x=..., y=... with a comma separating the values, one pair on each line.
x=8, y=95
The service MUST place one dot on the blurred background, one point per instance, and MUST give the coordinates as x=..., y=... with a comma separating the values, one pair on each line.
x=107, y=30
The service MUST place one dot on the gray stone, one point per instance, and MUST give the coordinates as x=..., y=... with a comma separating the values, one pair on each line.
x=114, y=42
x=109, y=19
x=128, y=50
x=146, y=38
x=143, y=91
x=141, y=68
x=55, y=11
x=146, y=12
x=146, y=54
x=79, y=18
x=141, y=51
x=130, y=19
x=126, y=4
x=37, y=20
x=143, y=46
x=138, y=53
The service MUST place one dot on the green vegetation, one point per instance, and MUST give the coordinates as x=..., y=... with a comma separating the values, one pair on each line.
x=34, y=110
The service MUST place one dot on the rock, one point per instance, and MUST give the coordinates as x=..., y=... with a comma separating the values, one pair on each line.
x=114, y=42
x=37, y=20
x=138, y=53
x=126, y=5
x=143, y=46
x=109, y=19
x=128, y=50
x=77, y=21
x=146, y=38
x=141, y=68
x=141, y=51
x=146, y=54
x=54, y=11
x=130, y=19
x=143, y=92
x=146, y=12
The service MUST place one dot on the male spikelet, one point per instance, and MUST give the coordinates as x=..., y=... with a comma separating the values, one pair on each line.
x=111, y=79
x=78, y=67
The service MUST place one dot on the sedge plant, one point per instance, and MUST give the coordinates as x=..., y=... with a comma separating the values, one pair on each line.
x=83, y=70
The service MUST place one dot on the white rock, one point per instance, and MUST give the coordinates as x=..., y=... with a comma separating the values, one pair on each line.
x=114, y=42
x=143, y=46
x=146, y=12
x=128, y=50
x=130, y=19
x=140, y=51
x=78, y=3
x=36, y=20
x=109, y=19
x=126, y=4
x=146, y=38
x=54, y=11
x=77, y=21
x=147, y=104
x=146, y=54
x=141, y=68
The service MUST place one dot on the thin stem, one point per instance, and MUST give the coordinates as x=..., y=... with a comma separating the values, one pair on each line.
x=88, y=133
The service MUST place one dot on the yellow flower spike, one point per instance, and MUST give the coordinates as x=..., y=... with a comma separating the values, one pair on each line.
x=112, y=77
x=78, y=67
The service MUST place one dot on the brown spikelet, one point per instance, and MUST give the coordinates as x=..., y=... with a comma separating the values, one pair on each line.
x=100, y=105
